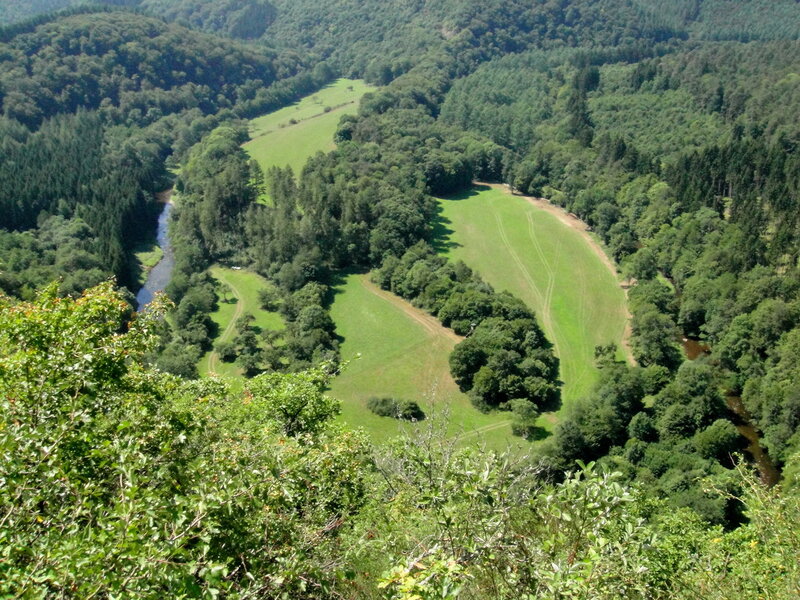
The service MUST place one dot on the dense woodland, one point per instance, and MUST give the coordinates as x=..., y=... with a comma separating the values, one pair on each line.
x=670, y=128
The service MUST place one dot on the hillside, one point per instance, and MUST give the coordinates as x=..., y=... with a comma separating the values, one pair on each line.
x=93, y=104
x=669, y=129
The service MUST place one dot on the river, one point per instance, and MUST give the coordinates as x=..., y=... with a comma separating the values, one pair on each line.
x=159, y=276
x=694, y=349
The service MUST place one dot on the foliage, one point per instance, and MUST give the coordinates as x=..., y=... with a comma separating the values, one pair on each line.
x=97, y=89
x=407, y=410
x=525, y=417
x=246, y=19
x=123, y=481
x=297, y=403
x=681, y=157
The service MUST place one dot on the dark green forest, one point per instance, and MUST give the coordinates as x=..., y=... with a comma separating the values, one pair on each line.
x=671, y=129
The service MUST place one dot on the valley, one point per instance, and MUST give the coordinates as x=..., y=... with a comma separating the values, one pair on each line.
x=425, y=278
x=398, y=351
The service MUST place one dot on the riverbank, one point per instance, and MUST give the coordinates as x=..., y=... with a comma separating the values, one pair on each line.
x=159, y=274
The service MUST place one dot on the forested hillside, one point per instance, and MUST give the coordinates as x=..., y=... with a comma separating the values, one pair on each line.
x=244, y=19
x=686, y=166
x=671, y=129
x=93, y=104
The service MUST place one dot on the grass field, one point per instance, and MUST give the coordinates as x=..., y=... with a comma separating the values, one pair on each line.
x=291, y=135
x=530, y=251
x=238, y=294
x=404, y=354
x=146, y=256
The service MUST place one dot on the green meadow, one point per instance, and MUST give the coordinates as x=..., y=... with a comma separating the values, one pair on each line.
x=291, y=135
x=146, y=256
x=396, y=350
x=238, y=296
x=529, y=251
x=403, y=354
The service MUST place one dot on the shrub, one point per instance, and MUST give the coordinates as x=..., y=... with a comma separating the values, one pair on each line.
x=523, y=422
x=226, y=351
x=407, y=410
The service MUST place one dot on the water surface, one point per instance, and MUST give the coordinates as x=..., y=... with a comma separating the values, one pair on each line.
x=159, y=276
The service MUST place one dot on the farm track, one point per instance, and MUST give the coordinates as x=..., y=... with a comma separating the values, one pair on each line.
x=437, y=333
x=481, y=430
x=213, y=357
x=547, y=301
x=428, y=322
x=518, y=261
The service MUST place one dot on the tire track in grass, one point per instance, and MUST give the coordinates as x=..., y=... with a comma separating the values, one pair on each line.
x=213, y=357
x=520, y=265
x=551, y=278
x=548, y=324
x=481, y=430
x=582, y=229
x=569, y=370
x=547, y=306
x=572, y=371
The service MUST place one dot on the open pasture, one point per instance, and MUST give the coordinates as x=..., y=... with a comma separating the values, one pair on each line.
x=291, y=135
x=544, y=258
x=403, y=354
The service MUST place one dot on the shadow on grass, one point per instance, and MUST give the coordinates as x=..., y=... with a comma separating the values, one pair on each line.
x=553, y=404
x=441, y=241
x=441, y=238
x=538, y=434
x=475, y=190
x=336, y=282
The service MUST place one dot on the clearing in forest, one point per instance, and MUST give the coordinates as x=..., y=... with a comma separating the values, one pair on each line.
x=238, y=295
x=291, y=135
x=545, y=257
x=404, y=355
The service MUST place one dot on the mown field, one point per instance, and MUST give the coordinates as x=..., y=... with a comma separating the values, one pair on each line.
x=146, y=256
x=404, y=354
x=531, y=252
x=238, y=295
x=513, y=244
x=289, y=136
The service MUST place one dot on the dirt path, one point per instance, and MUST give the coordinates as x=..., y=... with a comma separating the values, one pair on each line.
x=428, y=322
x=582, y=229
x=436, y=331
x=213, y=357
